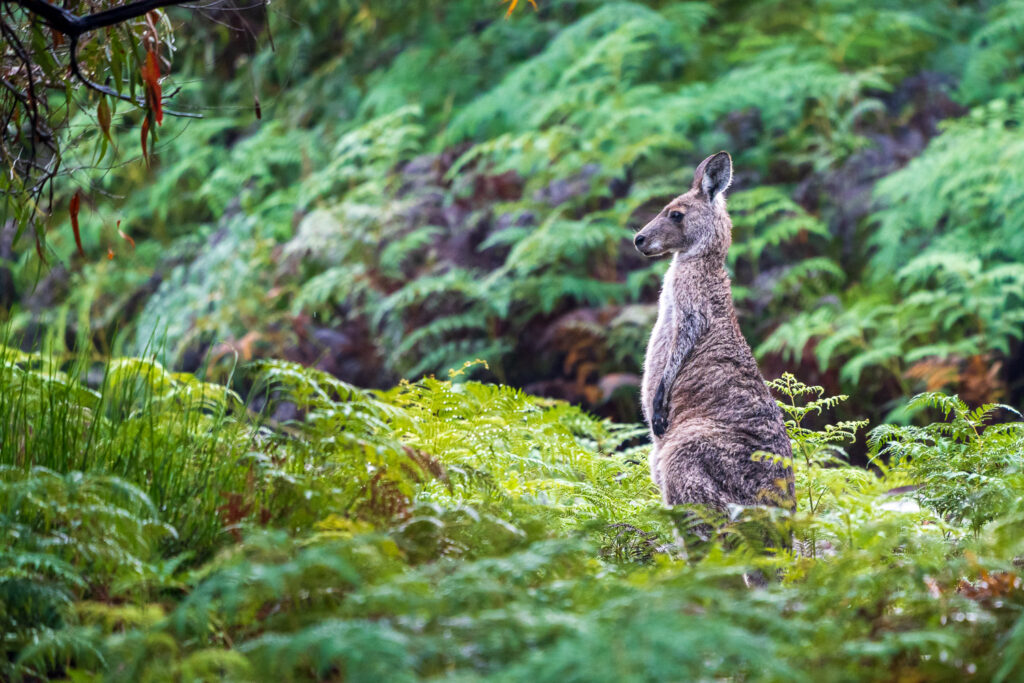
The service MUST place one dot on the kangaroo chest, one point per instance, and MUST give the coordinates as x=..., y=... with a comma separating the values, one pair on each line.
x=657, y=347
x=695, y=314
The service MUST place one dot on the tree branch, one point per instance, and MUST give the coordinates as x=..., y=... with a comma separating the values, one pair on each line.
x=73, y=25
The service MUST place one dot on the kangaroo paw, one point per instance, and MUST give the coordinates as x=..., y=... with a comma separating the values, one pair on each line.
x=659, y=424
x=659, y=420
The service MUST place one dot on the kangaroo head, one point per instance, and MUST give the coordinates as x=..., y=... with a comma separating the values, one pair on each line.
x=694, y=224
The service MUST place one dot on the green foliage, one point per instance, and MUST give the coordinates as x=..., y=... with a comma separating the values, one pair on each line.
x=442, y=185
x=209, y=298
x=969, y=471
x=159, y=435
x=992, y=70
x=824, y=470
x=766, y=224
x=448, y=528
x=438, y=185
x=939, y=305
x=962, y=194
x=944, y=280
x=615, y=95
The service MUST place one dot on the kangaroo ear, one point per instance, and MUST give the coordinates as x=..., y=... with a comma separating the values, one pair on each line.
x=714, y=175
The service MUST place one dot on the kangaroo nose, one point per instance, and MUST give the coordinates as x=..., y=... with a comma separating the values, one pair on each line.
x=639, y=240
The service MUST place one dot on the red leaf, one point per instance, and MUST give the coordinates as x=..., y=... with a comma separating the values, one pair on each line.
x=73, y=210
x=151, y=78
x=145, y=134
x=126, y=238
x=233, y=512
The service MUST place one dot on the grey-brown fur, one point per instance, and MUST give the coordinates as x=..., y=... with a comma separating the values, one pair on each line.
x=702, y=393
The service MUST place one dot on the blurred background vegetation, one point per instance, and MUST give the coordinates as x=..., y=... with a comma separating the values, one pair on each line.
x=383, y=190
x=378, y=192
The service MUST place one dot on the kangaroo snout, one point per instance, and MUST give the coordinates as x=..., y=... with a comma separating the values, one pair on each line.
x=651, y=240
x=648, y=242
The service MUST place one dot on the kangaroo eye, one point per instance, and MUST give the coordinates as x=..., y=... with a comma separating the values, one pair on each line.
x=676, y=216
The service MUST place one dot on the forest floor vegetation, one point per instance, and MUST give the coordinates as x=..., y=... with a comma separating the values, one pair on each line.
x=159, y=528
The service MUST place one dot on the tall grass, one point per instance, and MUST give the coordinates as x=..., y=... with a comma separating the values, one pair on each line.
x=181, y=441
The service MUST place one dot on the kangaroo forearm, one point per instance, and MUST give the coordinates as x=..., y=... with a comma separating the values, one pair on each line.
x=691, y=325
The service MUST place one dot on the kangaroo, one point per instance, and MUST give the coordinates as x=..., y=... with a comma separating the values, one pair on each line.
x=702, y=393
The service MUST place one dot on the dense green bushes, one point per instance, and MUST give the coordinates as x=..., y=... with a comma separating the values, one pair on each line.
x=449, y=529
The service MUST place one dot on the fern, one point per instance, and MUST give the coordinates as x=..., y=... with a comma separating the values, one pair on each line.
x=53, y=649
x=767, y=223
x=355, y=650
x=467, y=529
x=823, y=471
x=961, y=463
x=991, y=71
x=965, y=180
x=936, y=296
